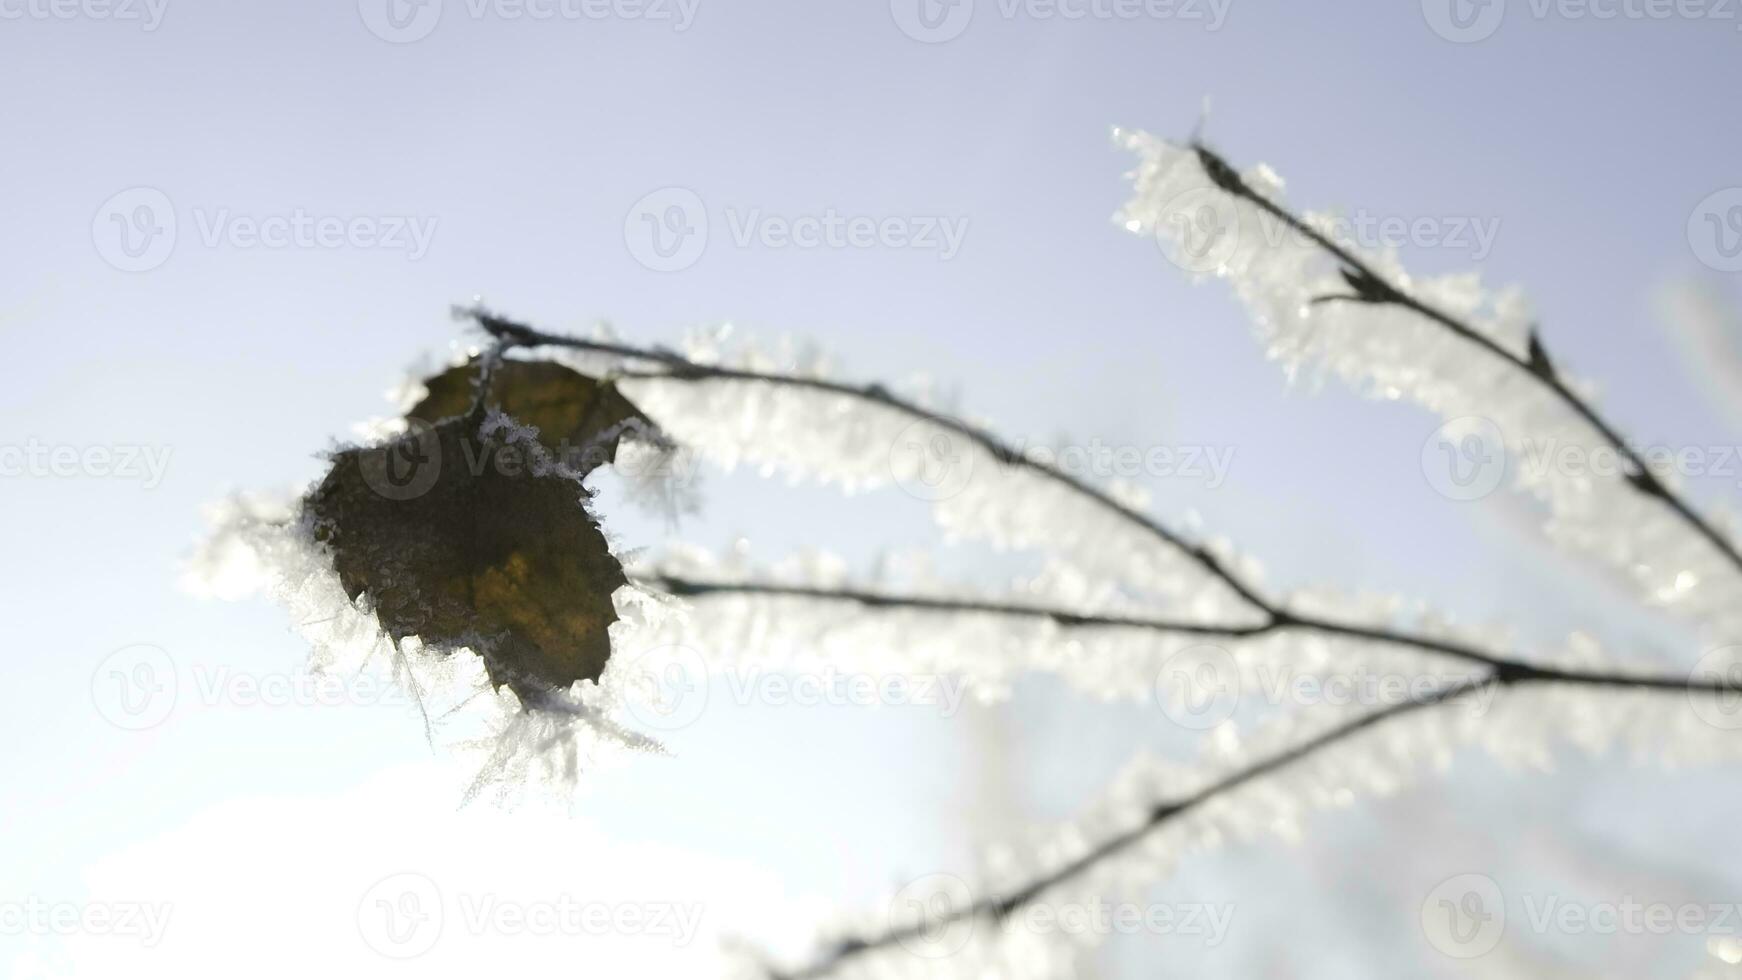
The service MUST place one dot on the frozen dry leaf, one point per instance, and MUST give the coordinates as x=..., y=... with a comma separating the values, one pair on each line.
x=464, y=536
x=579, y=419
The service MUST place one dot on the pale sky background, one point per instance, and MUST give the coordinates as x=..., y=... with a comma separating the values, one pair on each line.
x=526, y=145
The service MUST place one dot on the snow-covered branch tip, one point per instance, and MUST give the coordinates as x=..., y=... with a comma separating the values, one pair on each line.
x=1368, y=285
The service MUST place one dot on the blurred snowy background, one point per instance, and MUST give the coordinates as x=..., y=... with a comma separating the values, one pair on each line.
x=229, y=229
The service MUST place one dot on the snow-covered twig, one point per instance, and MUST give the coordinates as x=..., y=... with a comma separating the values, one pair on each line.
x=1007, y=905
x=1279, y=620
x=676, y=367
x=1370, y=286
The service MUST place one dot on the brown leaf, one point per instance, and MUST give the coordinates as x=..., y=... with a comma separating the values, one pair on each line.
x=457, y=539
x=579, y=419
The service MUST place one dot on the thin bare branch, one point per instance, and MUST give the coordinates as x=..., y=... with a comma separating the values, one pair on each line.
x=1502, y=664
x=674, y=366
x=996, y=908
x=1369, y=286
x=692, y=588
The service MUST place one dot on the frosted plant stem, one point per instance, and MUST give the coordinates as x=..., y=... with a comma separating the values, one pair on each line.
x=999, y=907
x=676, y=367
x=691, y=588
x=1279, y=620
x=1368, y=286
x=1002, y=906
